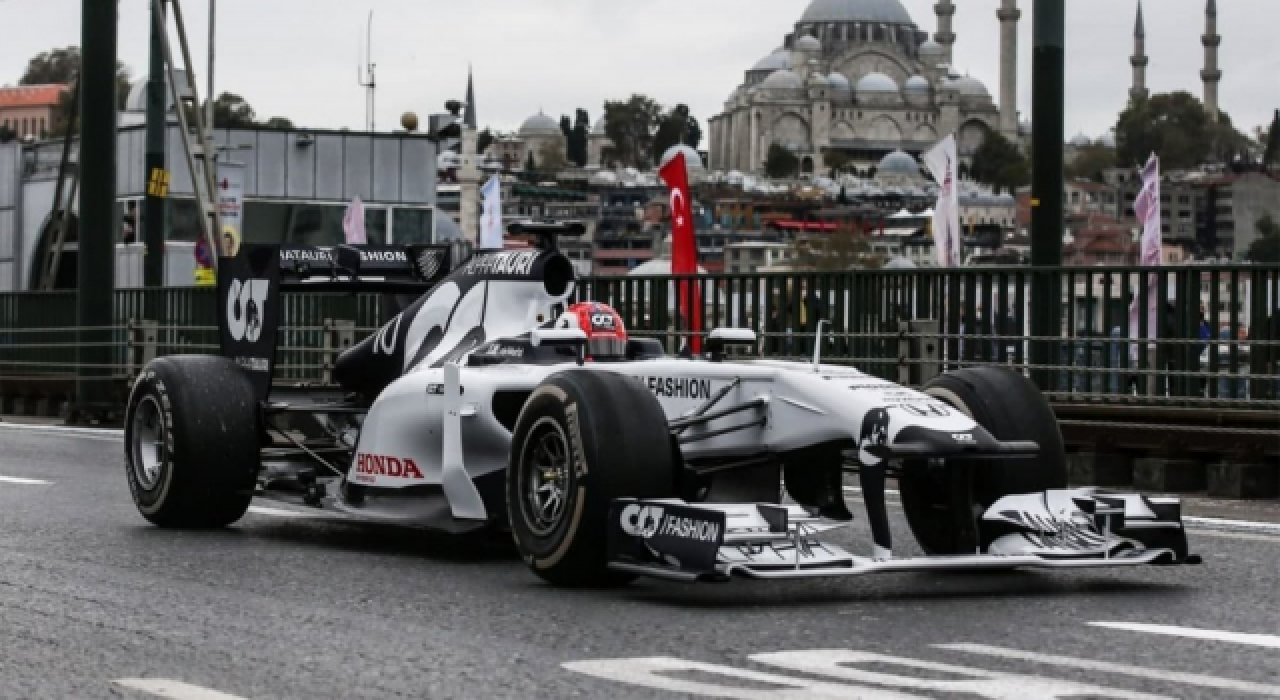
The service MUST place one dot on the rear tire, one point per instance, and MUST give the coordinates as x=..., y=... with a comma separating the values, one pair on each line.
x=191, y=442
x=1010, y=407
x=591, y=437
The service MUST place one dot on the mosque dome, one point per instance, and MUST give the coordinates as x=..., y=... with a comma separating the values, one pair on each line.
x=692, y=161
x=898, y=163
x=917, y=83
x=876, y=82
x=808, y=43
x=888, y=11
x=1080, y=141
x=598, y=129
x=970, y=87
x=839, y=83
x=931, y=48
x=780, y=59
x=782, y=80
x=818, y=80
x=540, y=125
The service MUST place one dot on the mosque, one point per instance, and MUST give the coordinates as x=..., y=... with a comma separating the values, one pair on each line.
x=860, y=78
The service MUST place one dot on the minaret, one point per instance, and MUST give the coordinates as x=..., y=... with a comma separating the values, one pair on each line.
x=469, y=113
x=1211, y=75
x=1139, y=60
x=945, y=36
x=1009, y=14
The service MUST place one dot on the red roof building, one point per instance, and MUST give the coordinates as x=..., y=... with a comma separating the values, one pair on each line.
x=28, y=110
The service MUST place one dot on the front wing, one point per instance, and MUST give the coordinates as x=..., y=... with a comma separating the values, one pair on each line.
x=1061, y=529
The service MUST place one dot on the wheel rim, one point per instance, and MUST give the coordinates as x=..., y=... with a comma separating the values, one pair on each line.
x=544, y=470
x=147, y=443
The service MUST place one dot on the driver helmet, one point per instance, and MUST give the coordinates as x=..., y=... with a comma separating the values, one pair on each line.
x=606, y=335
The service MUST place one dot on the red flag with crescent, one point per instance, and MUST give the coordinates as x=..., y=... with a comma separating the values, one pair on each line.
x=684, y=248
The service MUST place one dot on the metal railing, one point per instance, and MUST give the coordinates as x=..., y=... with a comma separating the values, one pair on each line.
x=903, y=325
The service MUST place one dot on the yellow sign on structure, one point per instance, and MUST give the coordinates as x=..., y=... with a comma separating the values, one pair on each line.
x=205, y=277
x=158, y=183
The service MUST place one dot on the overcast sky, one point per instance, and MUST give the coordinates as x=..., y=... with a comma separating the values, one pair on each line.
x=298, y=58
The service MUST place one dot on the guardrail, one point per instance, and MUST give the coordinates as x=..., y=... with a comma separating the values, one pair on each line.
x=901, y=325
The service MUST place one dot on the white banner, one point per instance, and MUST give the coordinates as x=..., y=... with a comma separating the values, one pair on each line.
x=1147, y=210
x=491, y=220
x=230, y=206
x=943, y=162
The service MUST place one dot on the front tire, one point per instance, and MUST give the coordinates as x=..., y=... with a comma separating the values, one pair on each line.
x=583, y=439
x=191, y=442
x=1011, y=408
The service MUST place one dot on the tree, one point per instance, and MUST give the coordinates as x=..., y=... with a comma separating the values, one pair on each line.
x=1091, y=161
x=631, y=125
x=1177, y=128
x=7, y=134
x=551, y=158
x=1270, y=139
x=837, y=161
x=577, y=138
x=1000, y=164
x=60, y=67
x=780, y=162
x=274, y=122
x=1266, y=247
x=484, y=140
x=693, y=134
x=231, y=111
x=676, y=127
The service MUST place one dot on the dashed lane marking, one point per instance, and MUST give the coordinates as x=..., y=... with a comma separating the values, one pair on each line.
x=1224, y=524
x=1193, y=679
x=1269, y=641
x=23, y=481
x=279, y=512
x=174, y=690
x=91, y=433
x=1235, y=535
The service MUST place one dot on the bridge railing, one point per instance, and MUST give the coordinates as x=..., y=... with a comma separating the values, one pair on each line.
x=1217, y=341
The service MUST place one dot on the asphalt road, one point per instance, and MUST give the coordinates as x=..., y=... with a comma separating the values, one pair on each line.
x=95, y=603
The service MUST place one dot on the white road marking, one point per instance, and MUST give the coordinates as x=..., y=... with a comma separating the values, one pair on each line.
x=174, y=690
x=1269, y=641
x=842, y=664
x=840, y=673
x=656, y=673
x=1194, y=679
x=92, y=433
x=1224, y=524
x=24, y=482
x=1235, y=535
x=279, y=512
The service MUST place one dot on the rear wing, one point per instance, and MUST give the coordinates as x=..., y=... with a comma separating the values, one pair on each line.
x=249, y=306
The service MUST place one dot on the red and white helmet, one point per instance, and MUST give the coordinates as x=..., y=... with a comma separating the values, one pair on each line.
x=606, y=335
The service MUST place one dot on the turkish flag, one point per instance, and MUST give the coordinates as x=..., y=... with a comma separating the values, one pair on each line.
x=684, y=249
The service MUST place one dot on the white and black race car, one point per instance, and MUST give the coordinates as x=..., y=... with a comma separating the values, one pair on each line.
x=489, y=403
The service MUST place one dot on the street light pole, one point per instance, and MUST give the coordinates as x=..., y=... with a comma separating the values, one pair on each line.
x=213, y=29
x=1048, y=82
x=99, y=221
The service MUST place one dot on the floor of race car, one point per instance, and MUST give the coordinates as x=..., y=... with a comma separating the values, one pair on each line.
x=95, y=603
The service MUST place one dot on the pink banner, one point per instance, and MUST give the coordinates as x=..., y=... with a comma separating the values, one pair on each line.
x=1147, y=210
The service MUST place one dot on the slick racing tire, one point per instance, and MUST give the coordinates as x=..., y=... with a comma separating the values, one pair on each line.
x=191, y=442
x=583, y=439
x=1010, y=407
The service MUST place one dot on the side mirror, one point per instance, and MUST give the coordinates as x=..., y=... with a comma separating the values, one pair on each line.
x=721, y=339
x=558, y=336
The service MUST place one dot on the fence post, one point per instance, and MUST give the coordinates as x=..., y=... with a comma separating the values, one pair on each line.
x=142, y=345
x=338, y=336
x=919, y=350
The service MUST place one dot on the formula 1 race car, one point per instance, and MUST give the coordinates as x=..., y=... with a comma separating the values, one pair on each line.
x=490, y=402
